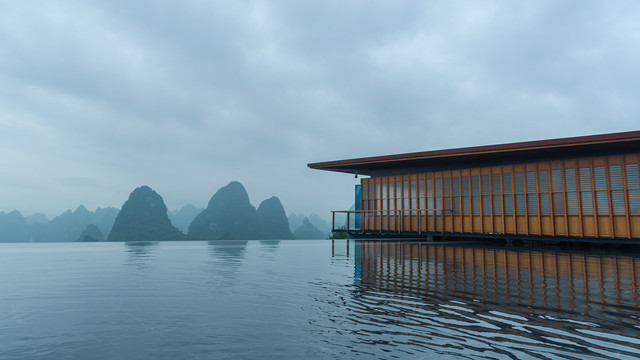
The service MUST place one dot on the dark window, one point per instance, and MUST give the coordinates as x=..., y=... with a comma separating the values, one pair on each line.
x=438, y=192
x=414, y=197
x=497, y=199
x=586, y=196
x=602, y=196
x=631, y=172
x=475, y=193
x=634, y=202
x=587, y=203
x=558, y=195
x=617, y=200
x=430, y=196
x=384, y=196
x=572, y=203
x=506, y=191
x=545, y=198
x=633, y=186
x=405, y=196
x=392, y=197
x=572, y=194
x=600, y=177
x=379, y=201
x=486, y=195
x=398, y=197
x=519, y=191
x=421, y=204
x=447, y=194
x=532, y=195
x=617, y=190
x=455, y=189
x=465, y=195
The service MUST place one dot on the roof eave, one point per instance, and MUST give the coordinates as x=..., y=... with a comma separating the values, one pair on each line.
x=363, y=165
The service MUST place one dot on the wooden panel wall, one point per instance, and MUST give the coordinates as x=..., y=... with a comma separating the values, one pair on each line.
x=590, y=197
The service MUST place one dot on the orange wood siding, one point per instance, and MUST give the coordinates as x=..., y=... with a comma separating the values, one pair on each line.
x=595, y=197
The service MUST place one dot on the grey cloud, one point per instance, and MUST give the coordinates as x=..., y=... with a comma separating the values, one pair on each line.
x=187, y=96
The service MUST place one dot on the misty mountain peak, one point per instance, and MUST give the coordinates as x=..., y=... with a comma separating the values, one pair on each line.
x=273, y=220
x=81, y=210
x=144, y=218
x=228, y=215
x=232, y=192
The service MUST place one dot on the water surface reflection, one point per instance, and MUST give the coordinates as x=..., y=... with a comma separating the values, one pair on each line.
x=228, y=256
x=270, y=244
x=475, y=302
x=139, y=253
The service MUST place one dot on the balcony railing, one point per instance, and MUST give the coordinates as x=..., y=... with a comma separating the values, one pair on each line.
x=411, y=220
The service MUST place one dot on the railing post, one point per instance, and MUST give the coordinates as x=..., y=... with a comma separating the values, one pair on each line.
x=348, y=224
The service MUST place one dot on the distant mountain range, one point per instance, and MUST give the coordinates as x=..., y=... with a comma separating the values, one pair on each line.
x=182, y=218
x=144, y=217
x=297, y=220
x=308, y=231
x=66, y=227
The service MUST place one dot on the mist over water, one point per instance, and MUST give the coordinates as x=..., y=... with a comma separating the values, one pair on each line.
x=301, y=299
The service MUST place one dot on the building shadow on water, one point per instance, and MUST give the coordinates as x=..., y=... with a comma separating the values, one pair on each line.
x=480, y=302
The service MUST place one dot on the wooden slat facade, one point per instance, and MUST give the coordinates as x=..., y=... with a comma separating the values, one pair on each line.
x=585, y=187
x=595, y=197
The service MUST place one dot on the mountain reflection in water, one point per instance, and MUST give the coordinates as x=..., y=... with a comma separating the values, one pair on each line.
x=473, y=302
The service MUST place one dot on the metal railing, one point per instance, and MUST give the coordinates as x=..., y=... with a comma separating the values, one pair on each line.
x=413, y=220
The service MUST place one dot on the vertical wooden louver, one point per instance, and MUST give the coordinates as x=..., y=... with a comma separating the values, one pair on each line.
x=589, y=197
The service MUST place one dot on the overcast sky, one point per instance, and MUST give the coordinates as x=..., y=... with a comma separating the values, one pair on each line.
x=98, y=98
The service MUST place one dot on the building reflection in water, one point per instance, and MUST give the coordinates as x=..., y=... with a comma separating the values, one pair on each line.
x=550, y=302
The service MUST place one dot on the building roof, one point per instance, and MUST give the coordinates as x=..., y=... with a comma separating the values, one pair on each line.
x=521, y=151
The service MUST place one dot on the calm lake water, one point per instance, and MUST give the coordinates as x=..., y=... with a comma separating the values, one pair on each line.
x=309, y=299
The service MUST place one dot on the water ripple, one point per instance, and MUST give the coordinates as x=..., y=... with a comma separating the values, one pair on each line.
x=422, y=305
x=246, y=300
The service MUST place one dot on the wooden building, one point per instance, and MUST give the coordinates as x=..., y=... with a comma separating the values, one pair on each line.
x=582, y=188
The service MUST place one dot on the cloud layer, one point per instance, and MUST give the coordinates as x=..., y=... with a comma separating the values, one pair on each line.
x=97, y=98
